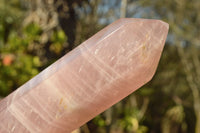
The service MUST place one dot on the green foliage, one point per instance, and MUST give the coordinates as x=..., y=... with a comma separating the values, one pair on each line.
x=32, y=31
x=11, y=14
x=58, y=38
x=99, y=121
x=21, y=61
x=174, y=116
x=131, y=122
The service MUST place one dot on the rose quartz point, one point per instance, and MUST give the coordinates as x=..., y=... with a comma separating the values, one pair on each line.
x=97, y=74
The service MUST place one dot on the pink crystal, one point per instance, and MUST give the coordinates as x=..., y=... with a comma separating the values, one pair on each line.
x=100, y=72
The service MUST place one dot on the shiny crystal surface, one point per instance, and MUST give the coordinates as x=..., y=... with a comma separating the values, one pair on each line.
x=97, y=74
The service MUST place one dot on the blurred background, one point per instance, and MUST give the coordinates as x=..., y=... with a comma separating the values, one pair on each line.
x=35, y=33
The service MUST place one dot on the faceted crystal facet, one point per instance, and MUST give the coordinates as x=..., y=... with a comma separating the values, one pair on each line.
x=100, y=72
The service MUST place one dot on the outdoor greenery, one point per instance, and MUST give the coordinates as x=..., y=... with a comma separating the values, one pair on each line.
x=34, y=34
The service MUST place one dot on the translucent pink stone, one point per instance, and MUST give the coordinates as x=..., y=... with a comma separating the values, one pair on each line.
x=97, y=74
